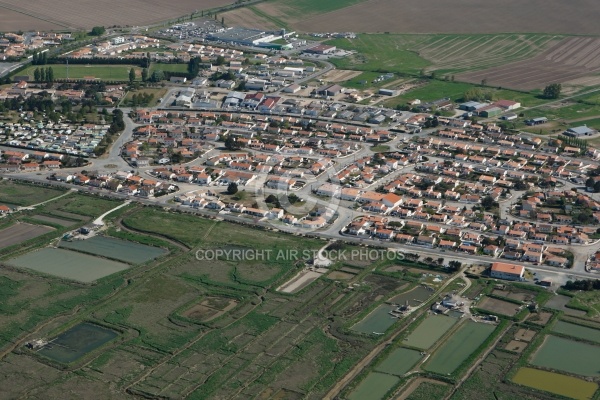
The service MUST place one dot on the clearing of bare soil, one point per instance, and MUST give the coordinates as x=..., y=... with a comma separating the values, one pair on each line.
x=340, y=75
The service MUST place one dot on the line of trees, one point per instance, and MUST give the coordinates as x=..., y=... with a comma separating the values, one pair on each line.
x=584, y=284
x=43, y=75
x=574, y=142
x=39, y=59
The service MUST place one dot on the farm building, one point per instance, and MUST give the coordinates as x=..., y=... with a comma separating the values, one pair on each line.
x=509, y=117
x=511, y=272
x=329, y=90
x=387, y=92
x=508, y=104
x=293, y=88
x=243, y=36
x=471, y=106
x=490, y=112
x=321, y=49
x=580, y=131
x=536, y=121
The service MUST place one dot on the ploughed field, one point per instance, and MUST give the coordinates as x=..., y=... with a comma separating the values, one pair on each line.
x=570, y=59
x=21, y=232
x=45, y=14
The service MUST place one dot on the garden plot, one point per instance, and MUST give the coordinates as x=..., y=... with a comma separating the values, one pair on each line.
x=21, y=232
x=496, y=306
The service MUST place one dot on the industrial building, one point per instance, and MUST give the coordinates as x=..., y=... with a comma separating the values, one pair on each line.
x=580, y=131
x=251, y=37
x=321, y=49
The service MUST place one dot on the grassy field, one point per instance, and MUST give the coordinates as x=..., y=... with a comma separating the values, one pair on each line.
x=438, y=89
x=157, y=93
x=78, y=71
x=168, y=67
x=445, y=54
x=373, y=54
x=88, y=206
x=428, y=390
x=19, y=194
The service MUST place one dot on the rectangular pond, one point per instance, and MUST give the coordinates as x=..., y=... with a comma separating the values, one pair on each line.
x=76, y=342
x=563, y=385
x=578, y=331
x=429, y=331
x=374, y=387
x=399, y=361
x=414, y=297
x=459, y=347
x=122, y=250
x=568, y=355
x=68, y=264
x=377, y=322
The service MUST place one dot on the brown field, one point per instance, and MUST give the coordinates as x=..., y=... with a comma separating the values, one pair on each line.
x=14, y=21
x=440, y=16
x=498, y=306
x=53, y=220
x=516, y=346
x=525, y=335
x=339, y=75
x=21, y=232
x=343, y=276
x=245, y=18
x=571, y=59
x=88, y=13
x=210, y=308
x=540, y=318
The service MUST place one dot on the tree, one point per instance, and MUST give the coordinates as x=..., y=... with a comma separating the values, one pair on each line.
x=552, y=91
x=232, y=188
x=144, y=74
x=131, y=75
x=42, y=75
x=220, y=60
x=231, y=143
x=49, y=75
x=487, y=202
x=36, y=75
x=97, y=31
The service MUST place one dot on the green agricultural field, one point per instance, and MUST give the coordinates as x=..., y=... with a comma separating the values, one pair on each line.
x=562, y=385
x=299, y=9
x=20, y=194
x=78, y=71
